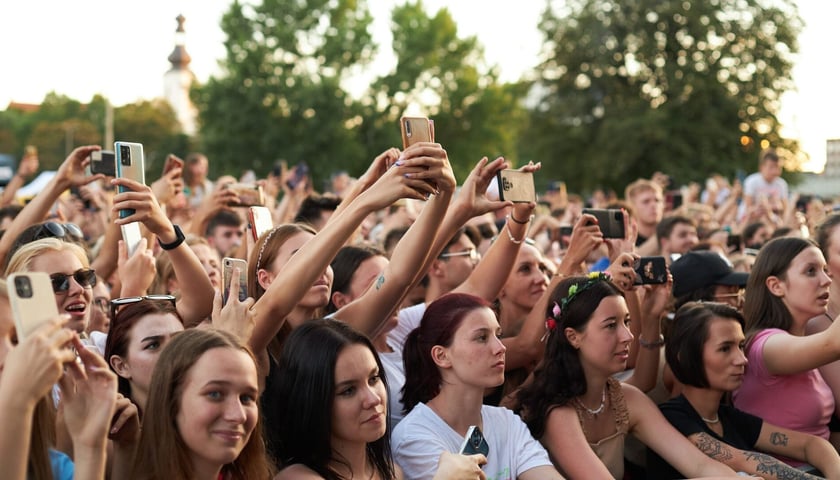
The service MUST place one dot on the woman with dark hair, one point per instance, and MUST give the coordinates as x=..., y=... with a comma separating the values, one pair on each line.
x=138, y=334
x=580, y=413
x=827, y=237
x=788, y=285
x=202, y=420
x=450, y=360
x=705, y=350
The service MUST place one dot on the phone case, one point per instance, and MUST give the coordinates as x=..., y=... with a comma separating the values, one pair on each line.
x=131, y=236
x=651, y=271
x=130, y=164
x=611, y=221
x=415, y=130
x=474, y=442
x=32, y=301
x=249, y=194
x=104, y=162
x=260, y=221
x=516, y=186
x=228, y=264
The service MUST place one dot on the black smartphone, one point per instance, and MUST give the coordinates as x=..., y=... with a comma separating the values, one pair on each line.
x=104, y=162
x=651, y=271
x=733, y=242
x=299, y=173
x=611, y=221
x=475, y=442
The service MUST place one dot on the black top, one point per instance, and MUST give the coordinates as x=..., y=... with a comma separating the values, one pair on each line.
x=740, y=430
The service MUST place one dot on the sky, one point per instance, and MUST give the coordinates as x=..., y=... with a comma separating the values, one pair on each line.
x=119, y=49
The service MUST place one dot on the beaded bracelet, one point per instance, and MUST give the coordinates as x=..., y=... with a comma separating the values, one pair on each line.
x=513, y=240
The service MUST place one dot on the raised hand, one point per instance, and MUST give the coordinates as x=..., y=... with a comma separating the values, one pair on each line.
x=71, y=173
x=433, y=162
x=146, y=208
x=473, y=193
x=238, y=318
x=622, y=270
x=453, y=466
x=137, y=271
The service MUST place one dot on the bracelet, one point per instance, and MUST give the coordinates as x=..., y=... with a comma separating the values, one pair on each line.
x=179, y=239
x=510, y=216
x=652, y=345
x=513, y=240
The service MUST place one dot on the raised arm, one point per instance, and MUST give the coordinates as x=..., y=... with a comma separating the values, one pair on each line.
x=70, y=173
x=197, y=292
x=312, y=259
x=369, y=312
x=790, y=354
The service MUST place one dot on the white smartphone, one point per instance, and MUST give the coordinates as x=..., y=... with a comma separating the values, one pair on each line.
x=228, y=264
x=130, y=164
x=131, y=236
x=32, y=301
x=259, y=218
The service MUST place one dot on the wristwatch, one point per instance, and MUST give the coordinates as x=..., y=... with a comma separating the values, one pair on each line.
x=179, y=239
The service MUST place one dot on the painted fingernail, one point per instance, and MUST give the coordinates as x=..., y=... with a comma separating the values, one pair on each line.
x=398, y=163
x=408, y=175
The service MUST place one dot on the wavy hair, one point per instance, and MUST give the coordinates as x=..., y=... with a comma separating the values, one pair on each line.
x=559, y=377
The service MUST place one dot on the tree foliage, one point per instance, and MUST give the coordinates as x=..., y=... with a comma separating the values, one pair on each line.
x=635, y=86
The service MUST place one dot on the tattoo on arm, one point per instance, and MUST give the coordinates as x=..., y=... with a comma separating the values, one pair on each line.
x=380, y=281
x=713, y=448
x=767, y=466
x=777, y=438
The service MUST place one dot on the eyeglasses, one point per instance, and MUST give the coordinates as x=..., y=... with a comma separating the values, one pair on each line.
x=68, y=231
x=119, y=302
x=739, y=295
x=86, y=278
x=472, y=253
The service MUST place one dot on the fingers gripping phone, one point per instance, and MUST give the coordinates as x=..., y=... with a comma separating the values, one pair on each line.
x=651, y=271
x=130, y=164
x=416, y=130
x=610, y=221
x=516, y=186
x=475, y=442
x=32, y=301
x=259, y=218
x=228, y=265
x=248, y=194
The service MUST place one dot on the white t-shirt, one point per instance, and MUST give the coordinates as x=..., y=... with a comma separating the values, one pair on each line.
x=756, y=187
x=422, y=436
x=392, y=362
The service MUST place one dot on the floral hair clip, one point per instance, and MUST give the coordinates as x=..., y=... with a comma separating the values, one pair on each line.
x=558, y=309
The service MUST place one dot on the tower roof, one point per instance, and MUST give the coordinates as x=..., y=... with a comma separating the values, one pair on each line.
x=179, y=58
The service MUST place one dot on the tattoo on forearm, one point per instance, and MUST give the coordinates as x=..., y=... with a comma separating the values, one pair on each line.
x=713, y=448
x=767, y=466
x=777, y=438
x=380, y=281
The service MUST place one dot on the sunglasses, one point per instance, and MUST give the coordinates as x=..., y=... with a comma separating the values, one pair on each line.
x=120, y=302
x=68, y=231
x=86, y=278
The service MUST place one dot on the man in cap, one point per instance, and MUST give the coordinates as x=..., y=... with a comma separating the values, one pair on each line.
x=707, y=276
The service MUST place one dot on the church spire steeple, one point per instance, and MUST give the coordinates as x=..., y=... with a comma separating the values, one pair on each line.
x=179, y=58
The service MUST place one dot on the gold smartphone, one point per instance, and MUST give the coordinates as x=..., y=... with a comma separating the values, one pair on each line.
x=416, y=130
x=516, y=186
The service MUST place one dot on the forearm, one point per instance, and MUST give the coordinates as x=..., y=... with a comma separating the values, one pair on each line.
x=491, y=273
x=17, y=425
x=197, y=292
x=11, y=189
x=822, y=455
x=122, y=460
x=34, y=212
x=766, y=466
x=525, y=349
x=89, y=461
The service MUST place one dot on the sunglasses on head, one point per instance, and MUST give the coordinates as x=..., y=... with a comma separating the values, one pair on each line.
x=67, y=231
x=85, y=277
x=120, y=302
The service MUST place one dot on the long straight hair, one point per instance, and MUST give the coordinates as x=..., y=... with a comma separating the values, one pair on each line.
x=42, y=439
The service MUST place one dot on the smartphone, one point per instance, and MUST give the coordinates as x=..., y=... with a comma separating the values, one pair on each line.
x=130, y=164
x=651, y=271
x=516, y=186
x=733, y=241
x=416, y=130
x=250, y=194
x=228, y=264
x=611, y=221
x=561, y=235
x=172, y=162
x=104, y=162
x=131, y=236
x=259, y=218
x=475, y=442
x=299, y=173
x=32, y=301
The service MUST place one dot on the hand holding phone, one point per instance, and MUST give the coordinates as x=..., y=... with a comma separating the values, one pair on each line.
x=416, y=130
x=651, y=271
x=130, y=164
x=474, y=442
x=104, y=162
x=516, y=186
x=32, y=300
x=259, y=221
x=248, y=194
x=229, y=265
x=610, y=221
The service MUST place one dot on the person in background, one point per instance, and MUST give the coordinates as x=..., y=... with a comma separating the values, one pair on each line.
x=648, y=205
x=224, y=231
x=316, y=210
x=676, y=235
x=767, y=186
x=196, y=184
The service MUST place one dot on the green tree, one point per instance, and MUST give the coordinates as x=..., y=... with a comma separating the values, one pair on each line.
x=631, y=87
x=280, y=94
x=154, y=124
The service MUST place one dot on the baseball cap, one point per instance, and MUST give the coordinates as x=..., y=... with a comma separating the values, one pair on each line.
x=701, y=269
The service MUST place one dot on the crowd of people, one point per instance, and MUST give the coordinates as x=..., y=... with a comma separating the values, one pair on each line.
x=384, y=317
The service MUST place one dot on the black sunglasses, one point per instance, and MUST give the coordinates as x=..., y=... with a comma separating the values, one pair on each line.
x=68, y=231
x=119, y=302
x=84, y=277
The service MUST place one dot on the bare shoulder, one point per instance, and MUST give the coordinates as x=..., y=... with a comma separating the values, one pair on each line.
x=297, y=472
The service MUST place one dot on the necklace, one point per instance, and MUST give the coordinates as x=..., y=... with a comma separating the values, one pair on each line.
x=592, y=413
x=710, y=420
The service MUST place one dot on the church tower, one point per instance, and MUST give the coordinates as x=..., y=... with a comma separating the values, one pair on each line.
x=177, y=82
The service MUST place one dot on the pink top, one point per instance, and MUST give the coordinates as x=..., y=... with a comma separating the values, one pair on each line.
x=801, y=402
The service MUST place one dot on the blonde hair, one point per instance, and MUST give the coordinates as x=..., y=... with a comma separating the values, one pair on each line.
x=639, y=186
x=22, y=260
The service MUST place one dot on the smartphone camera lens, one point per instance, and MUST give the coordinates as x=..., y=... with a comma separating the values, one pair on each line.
x=125, y=155
x=23, y=287
x=408, y=129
